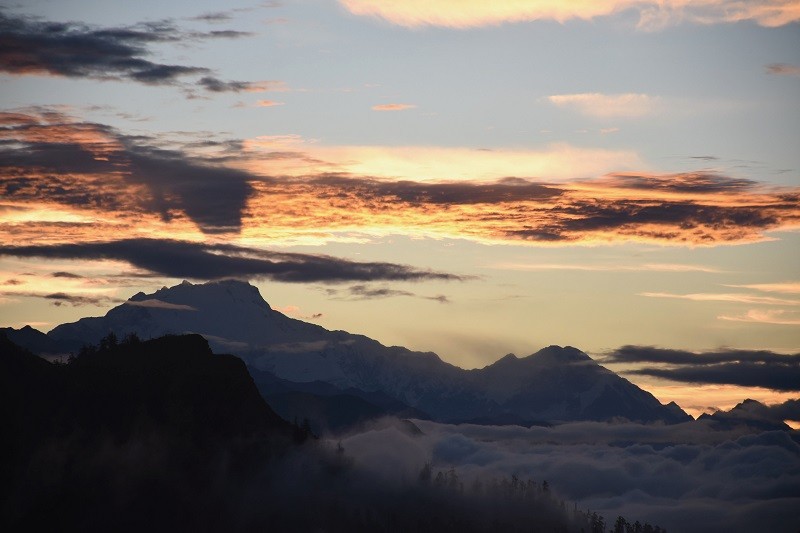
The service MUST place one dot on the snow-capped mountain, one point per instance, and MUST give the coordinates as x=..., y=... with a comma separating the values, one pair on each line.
x=553, y=384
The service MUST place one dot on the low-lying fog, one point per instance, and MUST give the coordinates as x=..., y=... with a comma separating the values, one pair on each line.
x=685, y=477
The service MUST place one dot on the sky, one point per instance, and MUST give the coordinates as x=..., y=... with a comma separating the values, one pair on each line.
x=471, y=178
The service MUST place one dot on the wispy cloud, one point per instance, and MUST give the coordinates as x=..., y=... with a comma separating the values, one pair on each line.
x=268, y=103
x=63, y=298
x=210, y=83
x=721, y=297
x=648, y=267
x=367, y=292
x=653, y=14
x=628, y=105
x=180, y=259
x=214, y=17
x=154, y=303
x=294, y=311
x=783, y=69
x=789, y=287
x=68, y=275
x=778, y=317
x=34, y=47
x=558, y=161
x=393, y=107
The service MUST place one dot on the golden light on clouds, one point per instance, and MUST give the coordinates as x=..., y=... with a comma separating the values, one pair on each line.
x=287, y=188
x=699, y=398
x=779, y=317
x=264, y=86
x=789, y=287
x=647, y=267
x=393, y=107
x=723, y=297
x=653, y=14
x=291, y=155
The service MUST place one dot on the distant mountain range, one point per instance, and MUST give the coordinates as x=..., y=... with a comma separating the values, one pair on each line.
x=554, y=384
x=753, y=414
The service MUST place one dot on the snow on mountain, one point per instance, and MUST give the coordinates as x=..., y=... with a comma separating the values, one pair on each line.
x=554, y=384
x=231, y=314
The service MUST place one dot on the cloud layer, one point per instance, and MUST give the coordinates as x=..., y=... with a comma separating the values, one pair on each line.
x=50, y=157
x=653, y=14
x=180, y=259
x=783, y=69
x=29, y=46
x=769, y=370
x=629, y=105
x=86, y=179
x=392, y=107
x=731, y=480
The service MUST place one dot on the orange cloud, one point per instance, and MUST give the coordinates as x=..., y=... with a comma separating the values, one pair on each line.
x=697, y=399
x=264, y=86
x=721, y=297
x=693, y=212
x=789, y=287
x=783, y=69
x=649, y=267
x=628, y=105
x=768, y=316
x=268, y=103
x=69, y=181
x=393, y=107
x=89, y=167
x=653, y=14
x=292, y=155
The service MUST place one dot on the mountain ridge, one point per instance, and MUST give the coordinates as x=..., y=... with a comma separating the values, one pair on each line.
x=555, y=383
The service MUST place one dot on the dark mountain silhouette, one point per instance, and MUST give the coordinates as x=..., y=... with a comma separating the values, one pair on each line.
x=551, y=385
x=162, y=426
x=39, y=343
x=326, y=407
x=749, y=413
x=325, y=414
x=163, y=435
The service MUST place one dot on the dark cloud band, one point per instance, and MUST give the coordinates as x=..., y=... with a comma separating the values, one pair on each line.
x=746, y=368
x=181, y=259
x=30, y=46
x=88, y=165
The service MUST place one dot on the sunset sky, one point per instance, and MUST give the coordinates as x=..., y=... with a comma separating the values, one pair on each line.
x=466, y=177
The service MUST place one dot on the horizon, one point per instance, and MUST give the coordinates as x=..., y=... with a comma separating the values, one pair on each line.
x=467, y=179
x=605, y=360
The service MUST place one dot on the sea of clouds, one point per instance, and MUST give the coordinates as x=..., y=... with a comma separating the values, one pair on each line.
x=686, y=478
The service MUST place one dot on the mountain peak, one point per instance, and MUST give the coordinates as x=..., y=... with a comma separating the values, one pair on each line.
x=218, y=291
x=559, y=355
x=747, y=405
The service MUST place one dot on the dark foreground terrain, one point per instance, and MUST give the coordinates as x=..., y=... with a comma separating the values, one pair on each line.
x=165, y=435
